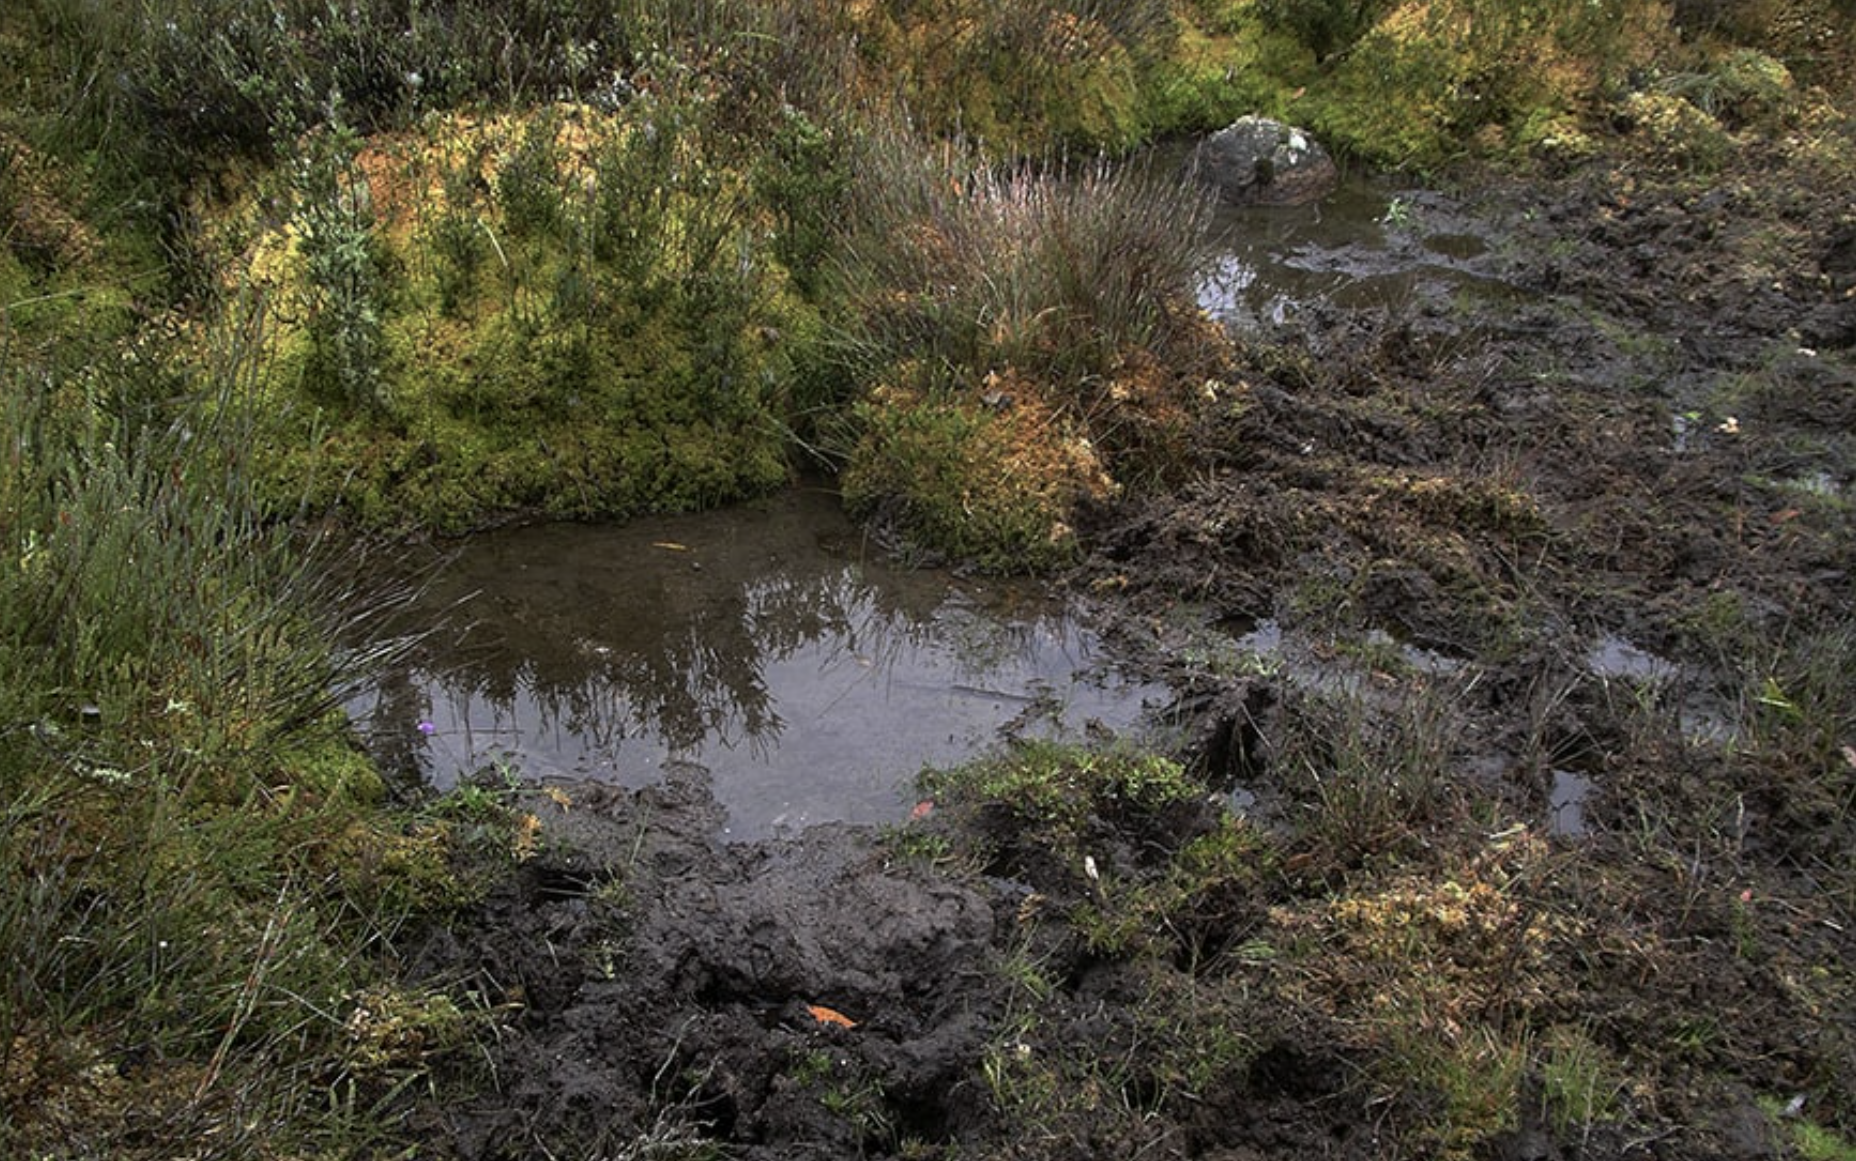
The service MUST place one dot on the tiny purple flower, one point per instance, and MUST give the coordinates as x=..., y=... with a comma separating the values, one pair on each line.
x=427, y=728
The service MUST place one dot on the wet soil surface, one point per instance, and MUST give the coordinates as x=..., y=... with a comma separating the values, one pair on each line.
x=1587, y=541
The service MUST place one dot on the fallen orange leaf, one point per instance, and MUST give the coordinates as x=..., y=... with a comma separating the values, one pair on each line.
x=828, y=1016
x=922, y=810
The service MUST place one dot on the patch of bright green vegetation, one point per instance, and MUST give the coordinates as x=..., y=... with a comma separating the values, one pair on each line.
x=565, y=313
x=1181, y=1043
x=1580, y=1081
x=1051, y=791
x=1191, y=910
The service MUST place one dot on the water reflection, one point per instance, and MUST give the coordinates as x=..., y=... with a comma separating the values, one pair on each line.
x=1360, y=247
x=809, y=678
x=1566, y=801
x=1265, y=262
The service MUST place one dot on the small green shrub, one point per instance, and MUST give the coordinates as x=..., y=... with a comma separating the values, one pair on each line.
x=1326, y=27
x=344, y=285
x=804, y=180
x=530, y=182
x=458, y=237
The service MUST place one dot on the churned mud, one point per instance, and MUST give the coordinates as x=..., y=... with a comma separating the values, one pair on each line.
x=1566, y=525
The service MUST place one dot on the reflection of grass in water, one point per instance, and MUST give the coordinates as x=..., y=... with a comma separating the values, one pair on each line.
x=986, y=646
x=701, y=673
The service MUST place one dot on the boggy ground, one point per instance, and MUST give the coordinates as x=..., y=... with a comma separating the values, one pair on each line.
x=1593, y=530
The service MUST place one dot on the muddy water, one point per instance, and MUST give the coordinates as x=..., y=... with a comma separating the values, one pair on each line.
x=1365, y=245
x=764, y=644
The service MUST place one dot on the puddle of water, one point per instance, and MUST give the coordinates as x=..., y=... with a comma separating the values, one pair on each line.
x=1264, y=640
x=1415, y=657
x=1359, y=247
x=1614, y=658
x=1265, y=262
x=1566, y=804
x=760, y=643
x=1701, y=716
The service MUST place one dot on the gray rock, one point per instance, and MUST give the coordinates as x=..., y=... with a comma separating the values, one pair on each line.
x=1257, y=161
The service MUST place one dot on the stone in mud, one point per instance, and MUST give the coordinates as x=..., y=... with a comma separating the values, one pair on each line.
x=1257, y=161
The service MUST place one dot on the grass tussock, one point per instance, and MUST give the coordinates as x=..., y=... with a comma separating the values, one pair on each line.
x=181, y=808
x=1032, y=324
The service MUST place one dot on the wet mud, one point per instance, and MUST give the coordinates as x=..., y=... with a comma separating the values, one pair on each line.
x=1560, y=518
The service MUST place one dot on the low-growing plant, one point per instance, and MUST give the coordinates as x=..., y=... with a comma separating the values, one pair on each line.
x=593, y=323
x=1051, y=796
x=530, y=184
x=1814, y=1142
x=1368, y=779
x=1580, y=1083
x=1743, y=87
x=1326, y=27
x=176, y=776
x=805, y=180
x=458, y=235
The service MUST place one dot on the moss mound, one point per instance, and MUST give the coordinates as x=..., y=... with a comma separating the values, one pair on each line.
x=564, y=311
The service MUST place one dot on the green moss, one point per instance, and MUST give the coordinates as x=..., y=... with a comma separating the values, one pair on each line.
x=1678, y=131
x=1052, y=791
x=15, y=287
x=950, y=476
x=1209, y=81
x=1389, y=102
x=564, y=374
x=333, y=768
